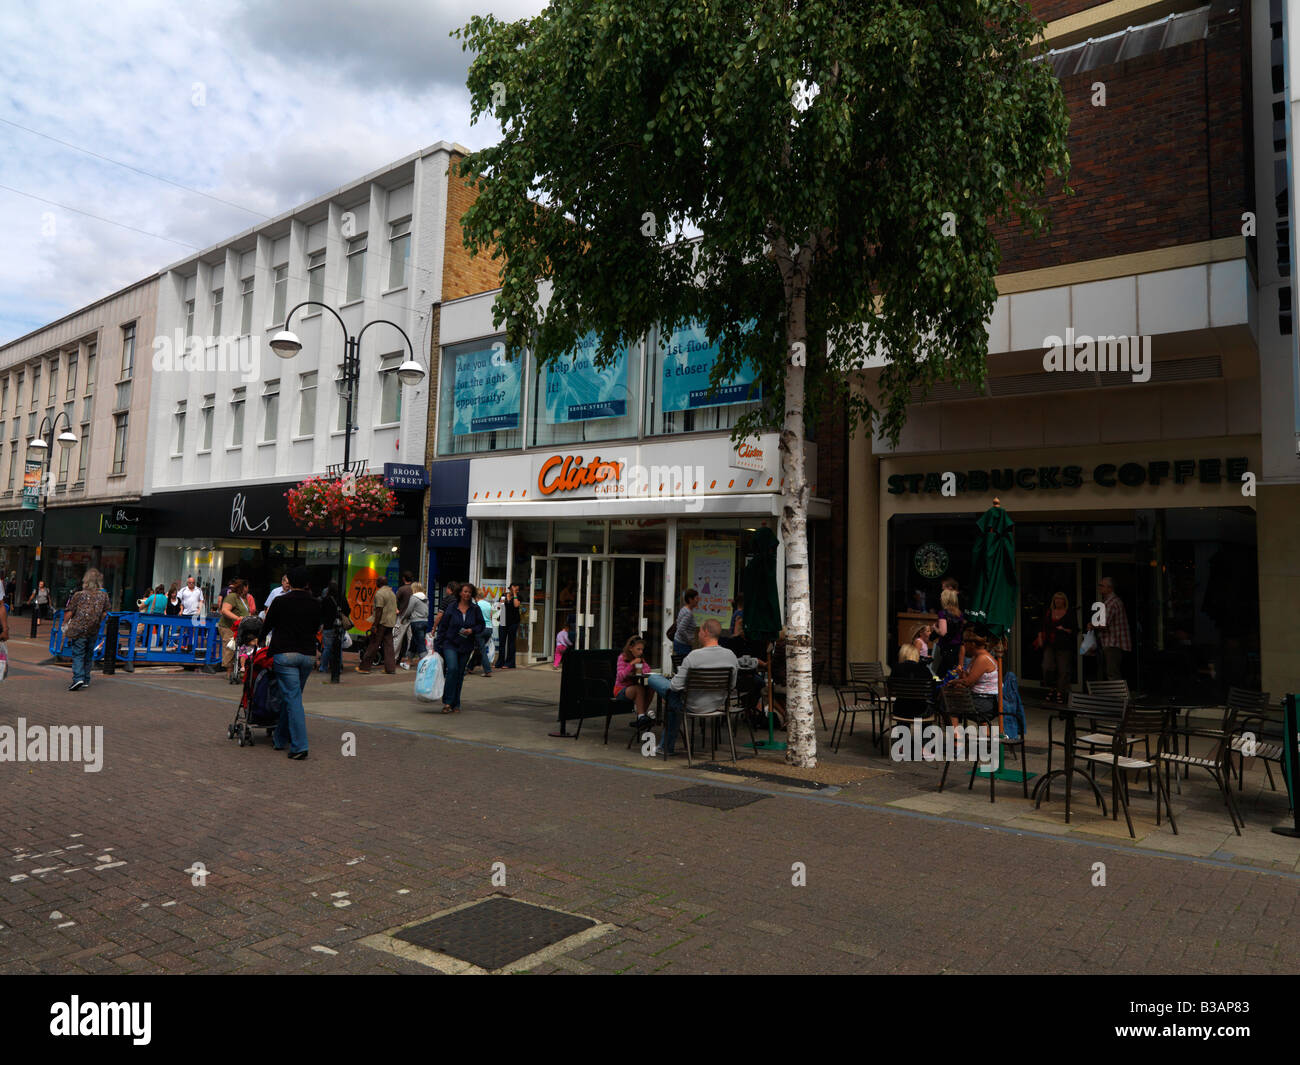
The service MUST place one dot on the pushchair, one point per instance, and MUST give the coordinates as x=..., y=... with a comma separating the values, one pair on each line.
x=259, y=705
x=248, y=634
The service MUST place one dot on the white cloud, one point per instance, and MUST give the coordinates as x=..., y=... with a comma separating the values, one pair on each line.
x=298, y=97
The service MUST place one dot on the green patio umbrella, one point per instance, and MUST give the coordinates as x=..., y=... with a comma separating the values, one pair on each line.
x=993, y=601
x=763, y=611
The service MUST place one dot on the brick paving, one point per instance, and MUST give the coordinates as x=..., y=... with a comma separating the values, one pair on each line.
x=305, y=859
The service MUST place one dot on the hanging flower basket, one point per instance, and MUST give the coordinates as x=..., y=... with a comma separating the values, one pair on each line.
x=320, y=504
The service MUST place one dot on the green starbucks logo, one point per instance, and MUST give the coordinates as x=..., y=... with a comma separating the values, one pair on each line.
x=931, y=561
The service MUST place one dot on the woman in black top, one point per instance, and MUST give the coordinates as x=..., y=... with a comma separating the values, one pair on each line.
x=454, y=640
x=1057, y=642
x=294, y=620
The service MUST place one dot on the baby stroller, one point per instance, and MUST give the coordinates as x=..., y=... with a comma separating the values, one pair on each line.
x=259, y=705
x=248, y=635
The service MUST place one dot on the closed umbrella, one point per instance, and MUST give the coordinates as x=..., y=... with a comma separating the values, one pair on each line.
x=763, y=611
x=993, y=601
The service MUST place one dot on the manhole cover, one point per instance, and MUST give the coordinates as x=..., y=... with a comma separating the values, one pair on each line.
x=718, y=798
x=495, y=932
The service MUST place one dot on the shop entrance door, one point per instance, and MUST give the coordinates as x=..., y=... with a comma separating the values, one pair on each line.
x=636, y=585
x=601, y=599
x=1040, y=578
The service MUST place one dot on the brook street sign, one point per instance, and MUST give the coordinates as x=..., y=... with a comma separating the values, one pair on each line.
x=405, y=476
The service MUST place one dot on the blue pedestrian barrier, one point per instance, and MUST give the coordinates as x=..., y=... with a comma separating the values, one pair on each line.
x=151, y=639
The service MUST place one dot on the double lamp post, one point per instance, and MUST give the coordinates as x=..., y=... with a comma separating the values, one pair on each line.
x=286, y=345
x=41, y=446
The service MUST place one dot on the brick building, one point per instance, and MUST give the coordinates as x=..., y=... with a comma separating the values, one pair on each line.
x=1179, y=153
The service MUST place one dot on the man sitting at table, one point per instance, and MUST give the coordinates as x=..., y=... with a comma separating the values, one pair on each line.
x=709, y=655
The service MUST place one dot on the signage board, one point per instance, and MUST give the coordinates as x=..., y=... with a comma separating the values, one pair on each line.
x=405, y=476
x=575, y=389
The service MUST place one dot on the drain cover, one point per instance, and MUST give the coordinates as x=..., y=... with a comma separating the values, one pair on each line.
x=495, y=932
x=718, y=798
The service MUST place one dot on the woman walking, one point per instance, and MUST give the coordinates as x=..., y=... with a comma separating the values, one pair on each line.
x=1056, y=641
x=81, y=618
x=39, y=601
x=455, y=640
x=416, y=617
x=294, y=620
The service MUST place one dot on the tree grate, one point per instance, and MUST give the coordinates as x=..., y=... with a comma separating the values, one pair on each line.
x=495, y=932
x=717, y=798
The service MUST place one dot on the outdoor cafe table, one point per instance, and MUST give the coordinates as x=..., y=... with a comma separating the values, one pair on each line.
x=1044, y=784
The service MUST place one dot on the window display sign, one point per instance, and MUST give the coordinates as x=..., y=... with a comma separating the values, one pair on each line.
x=486, y=390
x=711, y=569
x=577, y=390
x=688, y=358
x=363, y=573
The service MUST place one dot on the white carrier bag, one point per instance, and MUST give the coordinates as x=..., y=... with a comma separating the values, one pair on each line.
x=430, y=677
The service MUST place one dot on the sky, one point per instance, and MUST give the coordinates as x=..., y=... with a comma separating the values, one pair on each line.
x=262, y=104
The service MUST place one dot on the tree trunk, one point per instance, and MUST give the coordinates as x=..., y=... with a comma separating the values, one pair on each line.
x=801, y=731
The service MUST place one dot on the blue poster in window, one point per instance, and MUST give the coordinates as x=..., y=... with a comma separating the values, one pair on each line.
x=486, y=391
x=576, y=390
x=688, y=358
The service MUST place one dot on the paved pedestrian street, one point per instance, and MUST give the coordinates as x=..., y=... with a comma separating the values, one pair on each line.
x=187, y=853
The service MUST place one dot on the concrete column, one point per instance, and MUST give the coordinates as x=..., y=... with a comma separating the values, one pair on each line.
x=1277, y=518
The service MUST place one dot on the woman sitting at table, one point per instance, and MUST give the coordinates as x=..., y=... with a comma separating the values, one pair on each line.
x=910, y=667
x=625, y=685
x=980, y=675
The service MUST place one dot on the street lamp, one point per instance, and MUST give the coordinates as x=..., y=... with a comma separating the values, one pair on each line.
x=40, y=446
x=286, y=345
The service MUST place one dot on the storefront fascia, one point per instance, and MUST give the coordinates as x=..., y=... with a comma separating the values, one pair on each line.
x=1205, y=473
x=681, y=487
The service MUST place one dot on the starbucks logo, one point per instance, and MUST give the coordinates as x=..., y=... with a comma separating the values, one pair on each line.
x=931, y=561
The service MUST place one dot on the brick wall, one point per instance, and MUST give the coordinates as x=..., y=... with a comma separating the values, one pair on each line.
x=1144, y=173
x=461, y=274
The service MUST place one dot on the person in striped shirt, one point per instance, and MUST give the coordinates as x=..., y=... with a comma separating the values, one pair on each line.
x=1113, y=633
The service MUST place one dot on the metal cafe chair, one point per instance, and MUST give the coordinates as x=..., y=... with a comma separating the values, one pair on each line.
x=909, y=695
x=1218, y=762
x=959, y=704
x=1100, y=732
x=707, y=682
x=1136, y=723
x=1255, y=717
x=867, y=679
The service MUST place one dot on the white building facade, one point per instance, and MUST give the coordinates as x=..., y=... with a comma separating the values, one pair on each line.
x=233, y=427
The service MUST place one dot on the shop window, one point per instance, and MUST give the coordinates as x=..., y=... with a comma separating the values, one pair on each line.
x=270, y=411
x=399, y=252
x=128, y=352
x=573, y=402
x=480, y=402
x=178, y=421
x=390, y=390
x=83, y=453
x=237, y=401
x=209, y=403
x=356, y=269
x=492, y=560
x=280, y=294
x=316, y=278
x=678, y=399
x=121, y=425
x=246, y=306
x=307, y=404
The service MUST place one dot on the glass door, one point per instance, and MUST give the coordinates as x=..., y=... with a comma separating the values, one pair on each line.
x=1040, y=578
x=652, y=609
